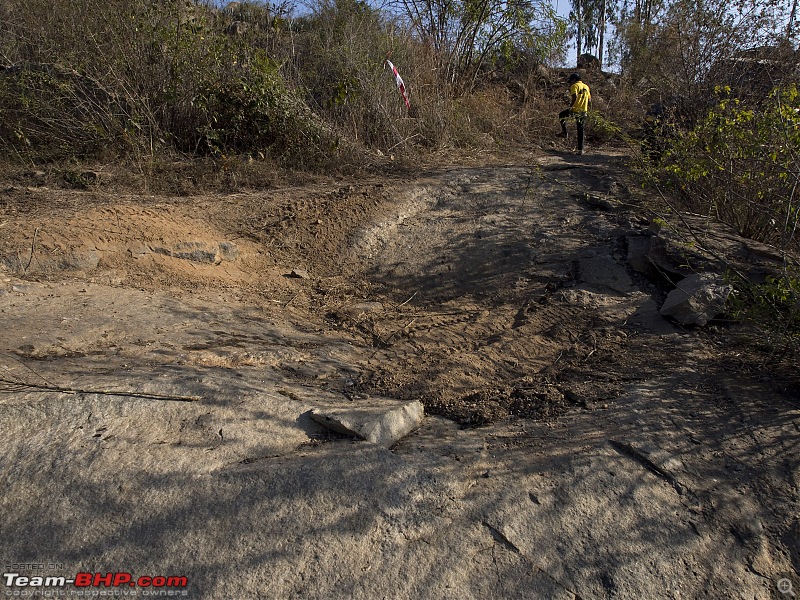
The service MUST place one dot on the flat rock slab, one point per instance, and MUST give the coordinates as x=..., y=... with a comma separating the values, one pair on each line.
x=202, y=252
x=378, y=425
x=604, y=271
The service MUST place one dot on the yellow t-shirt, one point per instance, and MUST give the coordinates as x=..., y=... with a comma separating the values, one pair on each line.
x=582, y=96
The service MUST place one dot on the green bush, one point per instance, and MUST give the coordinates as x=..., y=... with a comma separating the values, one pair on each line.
x=773, y=308
x=340, y=56
x=149, y=79
x=601, y=129
x=253, y=110
x=741, y=164
x=145, y=77
x=50, y=113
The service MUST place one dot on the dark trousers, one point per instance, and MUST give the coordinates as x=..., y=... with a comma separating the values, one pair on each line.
x=580, y=118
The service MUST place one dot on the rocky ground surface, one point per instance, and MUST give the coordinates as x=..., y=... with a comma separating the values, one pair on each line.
x=161, y=359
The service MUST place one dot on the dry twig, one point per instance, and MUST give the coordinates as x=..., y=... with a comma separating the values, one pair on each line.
x=33, y=247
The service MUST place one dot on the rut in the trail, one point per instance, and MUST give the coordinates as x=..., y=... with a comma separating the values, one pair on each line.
x=494, y=300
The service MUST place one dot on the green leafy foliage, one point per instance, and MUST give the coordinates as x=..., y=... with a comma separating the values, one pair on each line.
x=741, y=164
x=51, y=112
x=773, y=308
x=340, y=51
x=602, y=129
x=253, y=109
x=145, y=77
x=155, y=79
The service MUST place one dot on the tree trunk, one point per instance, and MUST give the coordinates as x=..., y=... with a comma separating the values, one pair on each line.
x=602, y=33
x=579, y=18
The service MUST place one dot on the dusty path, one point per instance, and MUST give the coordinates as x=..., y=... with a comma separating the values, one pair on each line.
x=517, y=294
x=578, y=444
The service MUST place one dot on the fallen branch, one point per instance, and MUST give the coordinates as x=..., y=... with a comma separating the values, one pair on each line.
x=21, y=385
x=33, y=247
x=292, y=299
x=407, y=301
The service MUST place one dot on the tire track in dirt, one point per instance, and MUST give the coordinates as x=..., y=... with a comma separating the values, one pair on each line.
x=493, y=314
x=477, y=273
x=475, y=291
x=316, y=229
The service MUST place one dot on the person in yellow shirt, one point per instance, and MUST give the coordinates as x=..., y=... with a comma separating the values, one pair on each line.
x=581, y=99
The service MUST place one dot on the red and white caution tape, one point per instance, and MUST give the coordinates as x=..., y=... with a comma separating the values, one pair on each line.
x=399, y=81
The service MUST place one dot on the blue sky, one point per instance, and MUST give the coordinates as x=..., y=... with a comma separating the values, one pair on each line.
x=562, y=7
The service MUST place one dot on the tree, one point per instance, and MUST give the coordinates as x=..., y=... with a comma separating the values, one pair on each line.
x=576, y=16
x=602, y=34
x=467, y=33
x=589, y=25
x=682, y=48
x=633, y=26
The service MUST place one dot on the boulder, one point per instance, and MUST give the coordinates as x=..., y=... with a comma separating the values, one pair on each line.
x=661, y=258
x=697, y=299
x=638, y=250
x=589, y=62
x=52, y=261
x=670, y=252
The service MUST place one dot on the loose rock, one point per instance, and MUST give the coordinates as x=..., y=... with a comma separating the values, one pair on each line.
x=697, y=299
x=379, y=427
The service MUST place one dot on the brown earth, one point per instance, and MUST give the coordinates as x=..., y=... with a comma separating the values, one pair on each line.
x=604, y=451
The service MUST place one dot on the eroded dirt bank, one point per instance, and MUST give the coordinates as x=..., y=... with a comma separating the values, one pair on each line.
x=578, y=444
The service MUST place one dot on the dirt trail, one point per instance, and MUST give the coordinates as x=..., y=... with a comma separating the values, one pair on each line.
x=578, y=444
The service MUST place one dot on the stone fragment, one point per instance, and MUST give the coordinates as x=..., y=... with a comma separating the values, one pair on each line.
x=80, y=260
x=697, y=299
x=356, y=311
x=138, y=249
x=602, y=202
x=228, y=251
x=202, y=252
x=638, y=253
x=377, y=426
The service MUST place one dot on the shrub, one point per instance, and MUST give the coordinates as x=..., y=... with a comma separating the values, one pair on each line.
x=148, y=77
x=773, y=309
x=252, y=109
x=741, y=164
x=151, y=79
x=339, y=61
x=50, y=112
